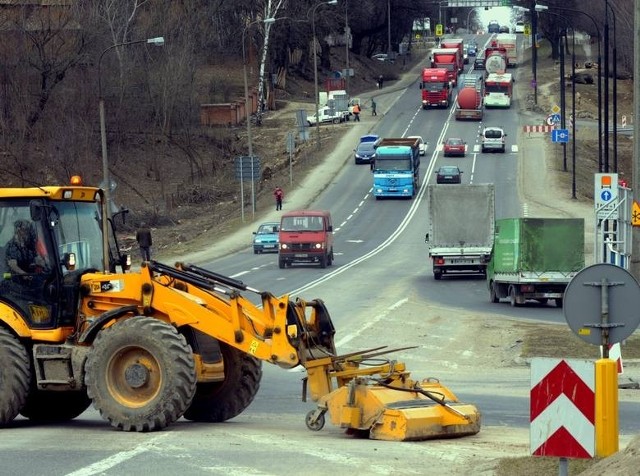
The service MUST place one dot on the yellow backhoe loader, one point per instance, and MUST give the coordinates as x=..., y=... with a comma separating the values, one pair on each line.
x=77, y=326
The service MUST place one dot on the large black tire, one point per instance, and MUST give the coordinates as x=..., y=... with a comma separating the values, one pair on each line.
x=15, y=376
x=281, y=263
x=493, y=295
x=513, y=298
x=323, y=261
x=221, y=401
x=141, y=374
x=558, y=302
x=55, y=406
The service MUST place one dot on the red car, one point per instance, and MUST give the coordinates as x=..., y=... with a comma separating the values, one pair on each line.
x=454, y=146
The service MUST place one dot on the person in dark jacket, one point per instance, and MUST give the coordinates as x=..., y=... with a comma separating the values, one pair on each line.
x=143, y=237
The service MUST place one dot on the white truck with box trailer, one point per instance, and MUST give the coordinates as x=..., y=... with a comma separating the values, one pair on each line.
x=461, y=228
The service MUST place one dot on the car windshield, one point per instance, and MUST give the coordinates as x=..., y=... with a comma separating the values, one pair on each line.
x=493, y=134
x=497, y=88
x=268, y=228
x=434, y=86
x=302, y=223
x=448, y=171
x=366, y=147
x=388, y=163
x=454, y=142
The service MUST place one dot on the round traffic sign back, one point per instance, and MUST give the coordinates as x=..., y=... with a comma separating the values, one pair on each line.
x=583, y=306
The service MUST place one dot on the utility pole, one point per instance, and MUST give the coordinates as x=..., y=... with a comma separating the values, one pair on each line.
x=606, y=88
x=634, y=265
x=534, y=50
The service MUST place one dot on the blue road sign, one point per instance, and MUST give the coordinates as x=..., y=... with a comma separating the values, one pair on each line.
x=560, y=135
x=606, y=195
x=556, y=118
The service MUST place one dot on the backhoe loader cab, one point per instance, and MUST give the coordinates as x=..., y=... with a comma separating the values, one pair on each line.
x=148, y=347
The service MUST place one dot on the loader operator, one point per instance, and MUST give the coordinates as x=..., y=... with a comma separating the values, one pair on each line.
x=20, y=252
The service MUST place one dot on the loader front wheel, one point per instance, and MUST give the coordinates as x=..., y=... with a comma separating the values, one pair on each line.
x=316, y=425
x=55, y=406
x=15, y=376
x=220, y=401
x=141, y=374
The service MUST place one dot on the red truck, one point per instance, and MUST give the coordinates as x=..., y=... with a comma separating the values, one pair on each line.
x=435, y=88
x=457, y=43
x=469, y=104
x=447, y=58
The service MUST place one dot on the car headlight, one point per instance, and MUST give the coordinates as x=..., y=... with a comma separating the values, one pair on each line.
x=257, y=240
x=284, y=246
x=318, y=246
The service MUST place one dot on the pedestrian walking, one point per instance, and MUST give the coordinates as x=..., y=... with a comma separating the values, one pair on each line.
x=143, y=237
x=356, y=112
x=373, y=107
x=279, y=194
x=380, y=80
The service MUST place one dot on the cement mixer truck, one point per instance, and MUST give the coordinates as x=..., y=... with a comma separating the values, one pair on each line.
x=469, y=104
x=495, y=59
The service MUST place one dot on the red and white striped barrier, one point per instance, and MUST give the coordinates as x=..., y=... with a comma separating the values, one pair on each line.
x=530, y=129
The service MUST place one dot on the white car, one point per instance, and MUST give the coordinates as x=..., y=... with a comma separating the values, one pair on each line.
x=423, y=146
x=493, y=138
x=519, y=27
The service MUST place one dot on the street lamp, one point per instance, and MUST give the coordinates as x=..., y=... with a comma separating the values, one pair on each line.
x=247, y=113
x=615, y=93
x=535, y=8
x=315, y=62
x=469, y=16
x=158, y=41
x=595, y=24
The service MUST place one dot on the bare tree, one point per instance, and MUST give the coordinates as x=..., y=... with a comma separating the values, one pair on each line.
x=271, y=9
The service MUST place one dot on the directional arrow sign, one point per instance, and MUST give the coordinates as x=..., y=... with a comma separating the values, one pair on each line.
x=560, y=135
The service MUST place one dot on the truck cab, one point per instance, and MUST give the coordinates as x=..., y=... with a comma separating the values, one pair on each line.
x=306, y=236
x=435, y=88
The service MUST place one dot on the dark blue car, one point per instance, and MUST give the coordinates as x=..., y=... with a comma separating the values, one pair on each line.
x=472, y=49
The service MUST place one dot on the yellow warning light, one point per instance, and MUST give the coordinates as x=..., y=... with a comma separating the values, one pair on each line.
x=76, y=180
x=605, y=181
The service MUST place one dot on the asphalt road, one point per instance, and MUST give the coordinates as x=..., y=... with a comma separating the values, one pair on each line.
x=376, y=290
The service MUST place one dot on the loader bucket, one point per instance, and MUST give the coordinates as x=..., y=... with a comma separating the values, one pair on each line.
x=401, y=414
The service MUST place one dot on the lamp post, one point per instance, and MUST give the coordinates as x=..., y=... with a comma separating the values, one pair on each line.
x=563, y=102
x=347, y=41
x=389, y=29
x=615, y=92
x=158, y=41
x=315, y=63
x=247, y=112
x=468, y=17
x=595, y=24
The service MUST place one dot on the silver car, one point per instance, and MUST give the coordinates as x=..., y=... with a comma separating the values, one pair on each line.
x=493, y=138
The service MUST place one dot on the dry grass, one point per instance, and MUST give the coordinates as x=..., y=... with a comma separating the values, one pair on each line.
x=561, y=342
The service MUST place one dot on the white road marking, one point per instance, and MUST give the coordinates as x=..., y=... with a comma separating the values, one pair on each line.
x=370, y=323
x=118, y=458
